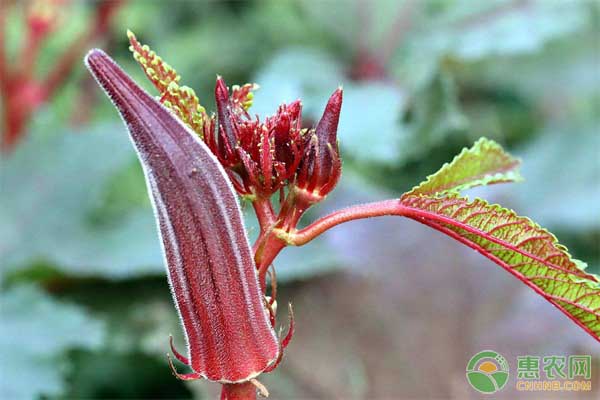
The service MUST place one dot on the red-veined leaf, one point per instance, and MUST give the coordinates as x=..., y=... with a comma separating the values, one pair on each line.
x=520, y=246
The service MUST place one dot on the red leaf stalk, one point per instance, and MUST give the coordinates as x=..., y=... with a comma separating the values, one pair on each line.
x=242, y=391
x=437, y=222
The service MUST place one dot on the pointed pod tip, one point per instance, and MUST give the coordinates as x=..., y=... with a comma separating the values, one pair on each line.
x=103, y=68
x=94, y=60
x=93, y=54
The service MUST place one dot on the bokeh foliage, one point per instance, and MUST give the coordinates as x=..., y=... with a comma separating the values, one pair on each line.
x=79, y=254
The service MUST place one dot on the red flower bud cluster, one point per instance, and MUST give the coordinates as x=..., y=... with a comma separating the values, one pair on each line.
x=263, y=157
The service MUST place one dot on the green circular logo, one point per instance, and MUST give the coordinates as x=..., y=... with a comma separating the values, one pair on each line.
x=487, y=372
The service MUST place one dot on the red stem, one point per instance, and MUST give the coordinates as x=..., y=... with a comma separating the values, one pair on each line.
x=265, y=257
x=376, y=209
x=395, y=207
x=268, y=245
x=62, y=69
x=238, y=391
x=264, y=214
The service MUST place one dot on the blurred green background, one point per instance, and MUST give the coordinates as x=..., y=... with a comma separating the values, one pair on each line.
x=385, y=308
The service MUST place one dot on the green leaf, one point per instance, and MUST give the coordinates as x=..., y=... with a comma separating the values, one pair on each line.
x=483, y=164
x=433, y=116
x=352, y=20
x=497, y=28
x=52, y=187
x=290, y=75
x=36, y=331
x=520, y=246
x=369, y=130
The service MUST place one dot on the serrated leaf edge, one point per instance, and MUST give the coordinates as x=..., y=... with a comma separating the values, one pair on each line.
x=483, y=144
x=437, y=222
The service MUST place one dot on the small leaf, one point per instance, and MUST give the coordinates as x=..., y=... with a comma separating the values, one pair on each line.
x=520, y=246
x=483, y=164
x=182, y=100
x=208, y=256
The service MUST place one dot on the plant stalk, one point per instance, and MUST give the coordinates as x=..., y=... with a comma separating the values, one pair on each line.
x=238, y=391
x=361, y=211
